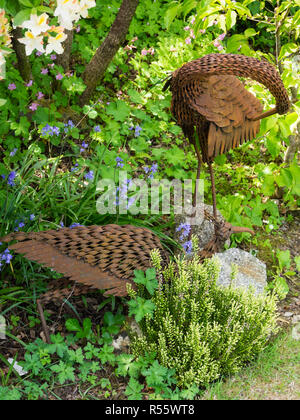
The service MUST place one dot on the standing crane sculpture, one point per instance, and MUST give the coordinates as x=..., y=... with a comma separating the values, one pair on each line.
x=215, y=111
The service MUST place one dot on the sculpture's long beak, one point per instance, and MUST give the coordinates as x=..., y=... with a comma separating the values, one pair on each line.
x=240, y=229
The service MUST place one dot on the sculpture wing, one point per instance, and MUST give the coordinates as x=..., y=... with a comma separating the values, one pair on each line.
x=102, y=257
x=223, y=102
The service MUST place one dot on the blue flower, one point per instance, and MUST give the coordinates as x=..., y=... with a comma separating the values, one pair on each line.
x=11, y=178
x=137, y=130
x=6, y=256
x=188, y=247
x=50, y=130
x=74, y=168
x=32, y=217
x=89, y=175
x=13, y=152
x=84, y=146
x=74, y=225
x=97, y=129
x=186, y=227
x=119, y=162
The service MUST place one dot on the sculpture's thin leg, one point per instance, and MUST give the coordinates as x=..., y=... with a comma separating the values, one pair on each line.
x=213, y=191
x=44, y=324
x=194, y=199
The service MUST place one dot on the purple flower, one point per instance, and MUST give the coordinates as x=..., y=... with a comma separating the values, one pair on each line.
x=21, y=225
x=53, y=57
x=131, y=200
x=29, y=83
x=6, y=256
x=188, y=247
x=186, y=28
x=44, y=71
x=74, y=225
x=188, y=40
x=84, y=146
x=62, y=224
x=13, y=152
x=144, y=52
x=77, y=28
x=32, y=217
x=186, y=228
x=89, y=175
x=12, y=86
x=222, y=36
x=59, y=76
x=38, y=53
x=33, y=106
x=74, y=168
x=50, y=130
x=119, y=162
x=97, y=129
x=40, y=95
x=137, y=131
x=11, y=178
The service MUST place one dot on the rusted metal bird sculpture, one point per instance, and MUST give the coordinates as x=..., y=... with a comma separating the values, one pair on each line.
x=97, y=257
x=213, y=108
x=101, y=257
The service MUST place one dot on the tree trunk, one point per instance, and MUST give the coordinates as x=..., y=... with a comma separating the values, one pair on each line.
x=96, y=68
x=24, y=66
x=64, y=58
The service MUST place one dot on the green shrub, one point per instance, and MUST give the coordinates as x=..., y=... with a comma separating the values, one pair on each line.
x=200, y=329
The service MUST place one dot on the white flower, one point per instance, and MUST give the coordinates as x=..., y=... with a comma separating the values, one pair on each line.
x=54, y=43
x=32, y=42
x=36, y=24
x=84, y=6
x=67, y=12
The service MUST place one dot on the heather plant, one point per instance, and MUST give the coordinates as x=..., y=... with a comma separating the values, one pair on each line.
x=200, y=329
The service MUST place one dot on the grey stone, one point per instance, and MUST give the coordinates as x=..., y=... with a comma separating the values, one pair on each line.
x=250, y=270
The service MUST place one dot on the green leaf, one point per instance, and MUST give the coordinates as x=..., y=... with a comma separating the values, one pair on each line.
x=250, y=32
x=230, y=19
x=72, y=324
x=141, y=307
x=284, y=259
x=26, y=3
x=171, y=14
x=135, y=96
x=297, y=261
x=133, y=390
x=119, y=110
x=22, y=16
x=2, y=101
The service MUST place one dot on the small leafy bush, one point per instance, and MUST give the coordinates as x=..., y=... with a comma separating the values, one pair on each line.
x=201, y=330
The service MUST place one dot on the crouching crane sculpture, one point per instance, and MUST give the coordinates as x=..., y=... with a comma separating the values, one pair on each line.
x=213, y=108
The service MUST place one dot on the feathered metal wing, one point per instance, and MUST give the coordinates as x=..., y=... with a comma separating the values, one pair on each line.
x=102, y=257
x=207, y=95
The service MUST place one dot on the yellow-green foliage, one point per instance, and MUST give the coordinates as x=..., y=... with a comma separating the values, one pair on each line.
x=200, y=329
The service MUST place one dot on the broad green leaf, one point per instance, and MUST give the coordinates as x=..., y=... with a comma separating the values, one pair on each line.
x=22, y=16
x=171, y=14
x=250, y=32
x=230, y=19
x=284, y=259
x=2, y=101
x=72, y=324
x=26, y=3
